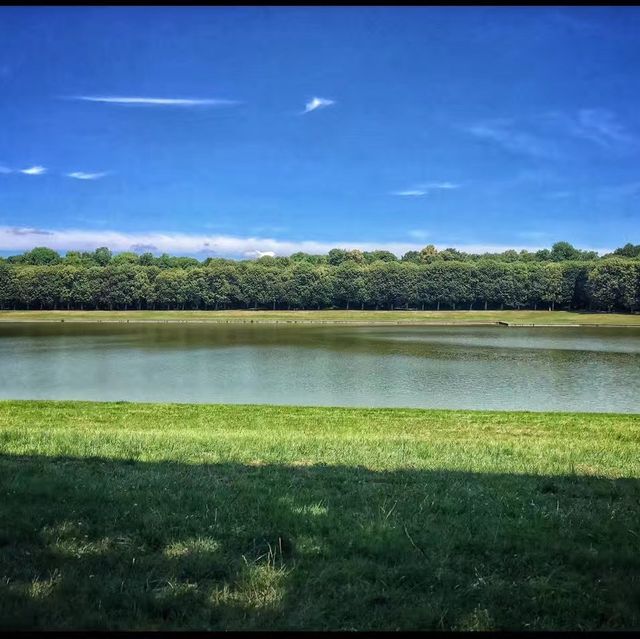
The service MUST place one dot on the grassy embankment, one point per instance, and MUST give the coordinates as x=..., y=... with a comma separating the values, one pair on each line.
x=237, y=517
x=355, y=317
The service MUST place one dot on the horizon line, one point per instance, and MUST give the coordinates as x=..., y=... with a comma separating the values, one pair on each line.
x=13, y=238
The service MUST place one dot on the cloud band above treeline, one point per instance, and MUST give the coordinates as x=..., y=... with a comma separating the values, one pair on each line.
x=25, y=238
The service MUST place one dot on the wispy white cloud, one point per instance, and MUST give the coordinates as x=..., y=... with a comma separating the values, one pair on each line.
x=512, y=137
x=550, y=135
x=410, y=193
x=144, y=248
x=20, y=239
x=627, y=189
x=258, y=254
x=438, y=186
x=137, y=100
x=317, y=103
x=5, y=170
x=34, y=170
x=16, y=230
x=602, y=127
x=419, y=234
x=425, y=189
x=81, y=175
x=575, y=23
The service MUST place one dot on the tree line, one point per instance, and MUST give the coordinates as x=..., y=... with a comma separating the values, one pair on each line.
x=42, y=279
x=559, y=252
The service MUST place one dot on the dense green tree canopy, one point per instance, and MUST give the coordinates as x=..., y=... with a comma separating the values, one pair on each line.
x=563, y=277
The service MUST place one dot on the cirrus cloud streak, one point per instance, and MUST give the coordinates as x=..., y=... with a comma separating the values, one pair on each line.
x=34, y=170
x=143, y=101
x=81, y=175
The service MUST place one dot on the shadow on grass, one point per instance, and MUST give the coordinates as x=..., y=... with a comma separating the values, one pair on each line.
x=99, y=543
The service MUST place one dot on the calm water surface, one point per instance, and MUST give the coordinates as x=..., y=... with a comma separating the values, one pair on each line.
x=581, y=369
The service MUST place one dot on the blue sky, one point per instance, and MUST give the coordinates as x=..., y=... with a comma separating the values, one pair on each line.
x=478, y=128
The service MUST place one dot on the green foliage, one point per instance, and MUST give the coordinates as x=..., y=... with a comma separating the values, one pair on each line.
x=102, y=256
x=374, y=256
x=336, y=256
x=411, y=256
x=126, y=258
x=564, y=277
x=41, y=256
x=429, y=254
x=628, y=250
x=562, y=251
x=615, y=283
x=8, y=285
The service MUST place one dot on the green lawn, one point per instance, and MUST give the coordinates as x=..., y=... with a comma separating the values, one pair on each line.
x=367, y=317
x=142, y=516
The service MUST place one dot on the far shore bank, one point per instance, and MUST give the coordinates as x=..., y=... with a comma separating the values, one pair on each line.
x=333, y=317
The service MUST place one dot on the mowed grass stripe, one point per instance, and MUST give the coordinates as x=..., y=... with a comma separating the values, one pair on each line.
x=541, y=317
x=383, y=439
x=142, y=516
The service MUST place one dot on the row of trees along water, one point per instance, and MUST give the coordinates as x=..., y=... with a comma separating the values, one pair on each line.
x=560, y=277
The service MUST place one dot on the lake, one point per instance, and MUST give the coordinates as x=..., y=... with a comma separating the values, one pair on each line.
x=572, y=369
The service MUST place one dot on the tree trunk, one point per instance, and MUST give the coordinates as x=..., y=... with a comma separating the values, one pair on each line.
x=453, y=306
x=362, y=306
x=422, y=307
x=274, y=305
x=501, y=306
x=438, y=306
x=485, y=305
x=347, y=304
x=553, y=306
x=471, y=306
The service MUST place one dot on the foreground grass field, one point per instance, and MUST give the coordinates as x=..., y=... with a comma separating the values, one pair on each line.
x=364, y=317
x=142, y=516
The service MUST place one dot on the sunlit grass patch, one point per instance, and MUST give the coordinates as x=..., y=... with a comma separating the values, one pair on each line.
x=299, y=317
